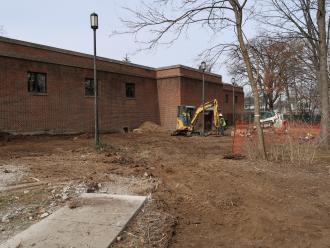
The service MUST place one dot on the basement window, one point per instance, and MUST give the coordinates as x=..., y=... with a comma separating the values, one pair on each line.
x=89, y=87
x=130, y=90
x=37, y=82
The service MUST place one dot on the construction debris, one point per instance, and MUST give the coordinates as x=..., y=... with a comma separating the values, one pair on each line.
x=44, y=215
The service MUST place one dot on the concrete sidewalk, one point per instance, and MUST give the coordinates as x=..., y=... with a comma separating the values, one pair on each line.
x=94, y=224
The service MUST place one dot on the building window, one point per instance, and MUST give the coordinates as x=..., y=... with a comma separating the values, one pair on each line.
x=130, y=90
x=236, y=99
x=37, y=82
x=227, y=98
x=89, y=87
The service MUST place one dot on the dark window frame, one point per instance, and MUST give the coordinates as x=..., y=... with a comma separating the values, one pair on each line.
x=130, y=91
x=90, y=88
x=226, y=98
x=236, y=99
x=34, y=87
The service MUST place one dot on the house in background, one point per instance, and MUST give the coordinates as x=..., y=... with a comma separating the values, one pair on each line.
x=294, y=107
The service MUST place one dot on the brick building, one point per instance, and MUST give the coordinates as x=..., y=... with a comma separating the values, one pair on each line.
x=50, y=90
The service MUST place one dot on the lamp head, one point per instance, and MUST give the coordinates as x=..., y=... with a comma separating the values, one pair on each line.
x=233, y=81
x=203, y=66
x=94, y=21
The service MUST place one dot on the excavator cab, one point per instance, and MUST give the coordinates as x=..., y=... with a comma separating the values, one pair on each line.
x=183, y=120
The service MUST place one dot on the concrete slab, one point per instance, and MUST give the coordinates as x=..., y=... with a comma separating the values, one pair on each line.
x=94, y=224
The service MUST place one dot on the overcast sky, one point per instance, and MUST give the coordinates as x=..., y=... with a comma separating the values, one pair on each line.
x=65, y=24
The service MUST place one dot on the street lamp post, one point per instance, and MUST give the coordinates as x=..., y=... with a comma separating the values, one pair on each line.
x=94, y=26
x=233, y=83
x=203, y=68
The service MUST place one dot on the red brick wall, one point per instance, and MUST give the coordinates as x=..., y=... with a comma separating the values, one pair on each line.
x=65, y=108
x=118, y=111
x=192, y=91
x=187, y=72
x=228, y=106
x=25, y=50
x=169, y=98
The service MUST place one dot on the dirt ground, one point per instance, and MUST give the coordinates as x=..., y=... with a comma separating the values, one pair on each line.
x=197, y=198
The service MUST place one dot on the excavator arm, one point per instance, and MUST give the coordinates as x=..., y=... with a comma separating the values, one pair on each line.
x=211, y=104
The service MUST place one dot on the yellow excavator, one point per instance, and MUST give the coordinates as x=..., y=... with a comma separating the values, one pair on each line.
x=188, y=116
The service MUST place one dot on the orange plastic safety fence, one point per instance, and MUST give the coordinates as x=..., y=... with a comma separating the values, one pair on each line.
x=245, y=136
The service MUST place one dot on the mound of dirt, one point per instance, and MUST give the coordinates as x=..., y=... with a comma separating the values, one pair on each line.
x=149, y=127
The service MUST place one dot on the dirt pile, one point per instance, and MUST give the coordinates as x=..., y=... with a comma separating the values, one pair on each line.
x=149, y=127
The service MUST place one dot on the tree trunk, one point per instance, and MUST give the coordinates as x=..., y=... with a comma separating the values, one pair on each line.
x=287, y=92
x=323, y=75
x=260, y=136
x=265, y=102
x=271, y=102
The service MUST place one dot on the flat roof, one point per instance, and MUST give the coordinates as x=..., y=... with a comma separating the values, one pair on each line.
x=100, y=58
x=185, y=67
x=70, y=52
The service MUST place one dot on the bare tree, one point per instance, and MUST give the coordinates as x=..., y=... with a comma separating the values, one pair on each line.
x=214, y=14
x=273, y=59
x=303, y=84
x=287, y=76
x=306, y=19
x=323, y=72
x=127, y=59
